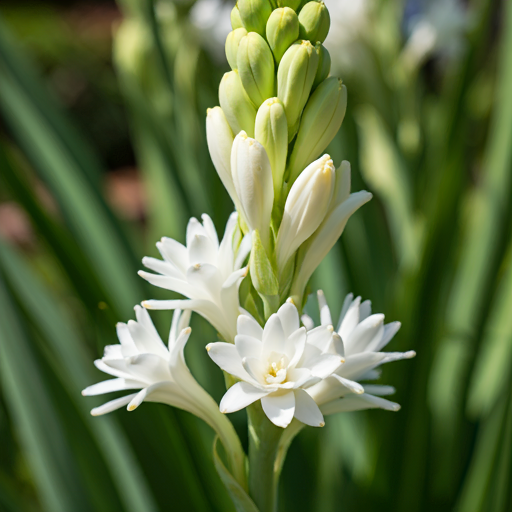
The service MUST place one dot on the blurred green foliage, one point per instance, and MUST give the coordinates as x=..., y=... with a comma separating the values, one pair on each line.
x=431, y=138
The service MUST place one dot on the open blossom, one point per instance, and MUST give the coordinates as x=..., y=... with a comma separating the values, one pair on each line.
x=361, y=337
x=206, y=272
x=275, y=364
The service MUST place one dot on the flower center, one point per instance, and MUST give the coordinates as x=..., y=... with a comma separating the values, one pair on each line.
x=276, y=373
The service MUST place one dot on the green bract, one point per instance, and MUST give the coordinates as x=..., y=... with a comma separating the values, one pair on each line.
x=282, y=31
x=295, y=77
x=232, y=43
x=271, y=131
x=235, y=103
x=320, y=123
x=256, y=68
x=314, y=22
x=254, y=14
x=236, y=20
x=324, y=65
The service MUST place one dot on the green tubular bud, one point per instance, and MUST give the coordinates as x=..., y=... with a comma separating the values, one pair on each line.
x=292, y=4
x=282, y=31
x=232, y=43
x=236, y=20
x=295, y=77
x=314, y=22
x=324, y=65
x=254, y=14
x=320, y=123
x=235, y=103
x=271, y=131
x=256, y=68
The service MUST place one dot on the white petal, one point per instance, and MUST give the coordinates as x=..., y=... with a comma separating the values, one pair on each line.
x=325, y=365
x=249, y=326
x=206, y=279
x=144, y=319
x=279, y=408
x=102, y=366
x=149, y=368
x=228, y=359
x=389, y=331
x=356, y=365
x=350, y=320
x=295, y=346
x=112, y=405
x=375, y=389
x=174, y=252
x=325, y=312
x=358, y=403
x=256, y=369
x=397, y=356
x=307, y=322
x=194, y=227
x=368, y=332
x=320, y=337
x=201, y=250
x=351, y=385
x=365, y=310
x=247, y=346
x=289, y=317
x=239, y=396
x=113, y=352
x=306, y=409
x=125, y=338
x=169, y=283
x=147, y=341
x=162, y=267
x=142, y=394
x=210, y=229
x=346, y=304
x=226, y=253
x=109, y=386
x=273, y=336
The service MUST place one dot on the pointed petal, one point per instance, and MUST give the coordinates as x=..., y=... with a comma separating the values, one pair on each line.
x=358, y=403
x=174, y=253
x=389, y=331
x=320, y=337
x=239, y=396
x=109, y=386
x=358, y=364
x=201, y=250
x=169, y=283
x=325, y=312
x=273, y=336
x=370, y=329
x=228, y=359
x=112, y=405
x=308, y=323
x=248, y=325
x=289, y=317
x=210, y=230
x=350, y=320
x=376, y=389
x=247, y=346
x=351, y=385
x=295, y=346
x=325, y=365
x=306, y=409
x=279, y=408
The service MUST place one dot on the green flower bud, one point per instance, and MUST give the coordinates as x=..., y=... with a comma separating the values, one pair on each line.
x=271, y=131
x=254, y=14
x=236, y=20
x=256, y=68
x=292, y=4
x=232, y=43
x=314, y=22
x=320, y=123
x=324, y=65
x=235, y=103
x=295, y=77
x=282, y=31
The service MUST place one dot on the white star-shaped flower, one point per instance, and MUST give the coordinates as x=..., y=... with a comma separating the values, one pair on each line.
x=275, y=365
x=361, y=337
x=207, y=272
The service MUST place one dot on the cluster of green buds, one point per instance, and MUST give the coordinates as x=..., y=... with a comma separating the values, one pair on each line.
x=279, y=110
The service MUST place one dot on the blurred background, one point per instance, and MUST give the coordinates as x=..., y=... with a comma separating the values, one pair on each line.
x=103, y=151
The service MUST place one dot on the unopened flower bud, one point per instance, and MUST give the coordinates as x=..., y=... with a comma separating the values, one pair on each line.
x=282, y=31
x=295, y=77
x=232, y=43
x=254, y=14
x=220, y=141
x=235, y=103
x=315, y=249
x=236, y=20
x=314, y=21
x=271, y=131
x=305, y=208
x=319, y=124
x=324, y=65
x=252, y=177
x=292, y=4
x=256, y=68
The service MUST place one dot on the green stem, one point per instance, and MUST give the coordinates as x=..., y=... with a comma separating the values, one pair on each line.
x=264, y=439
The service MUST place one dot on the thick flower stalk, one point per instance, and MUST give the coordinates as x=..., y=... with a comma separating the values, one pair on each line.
x=361, y=338
x=141, y=362
x=207, y=272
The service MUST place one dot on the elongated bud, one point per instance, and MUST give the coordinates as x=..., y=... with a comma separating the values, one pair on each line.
x=282, y=31
x=295, y=77
x=305, y=208
x=324, y=65
x=292, y=4
x=235, y=103
x=256, y=68
x=316, y=248
x=232, y=43
x=271, y=131
x=220, y=142
x=254, y=14
x=320, y=123
x=314, y=22
x=252, y=177
x=236, y=20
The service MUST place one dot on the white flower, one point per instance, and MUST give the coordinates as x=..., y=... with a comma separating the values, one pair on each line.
x=305, y=208
x=142, y=362
x=206, y=272
x=276, y=364
x=343, y=204
x=252, y=177
x=361, y=337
